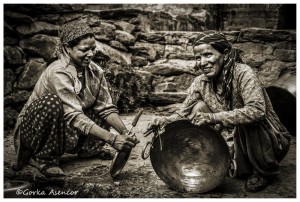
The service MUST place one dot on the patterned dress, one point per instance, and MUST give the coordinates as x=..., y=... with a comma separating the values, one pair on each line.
x=61, y=111
x=260, y=139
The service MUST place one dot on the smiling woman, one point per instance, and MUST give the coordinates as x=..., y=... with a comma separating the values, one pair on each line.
x=70, y=109
x=229, y=97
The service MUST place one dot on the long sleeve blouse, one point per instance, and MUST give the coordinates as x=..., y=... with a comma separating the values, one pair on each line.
x=60, y=78
x=250, y=102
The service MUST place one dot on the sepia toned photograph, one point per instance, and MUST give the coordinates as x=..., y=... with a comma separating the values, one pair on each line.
x=149, y=101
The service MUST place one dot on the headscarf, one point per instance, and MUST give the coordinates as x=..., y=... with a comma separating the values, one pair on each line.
x=67, y=33
x=73, y=30
x=220, y=43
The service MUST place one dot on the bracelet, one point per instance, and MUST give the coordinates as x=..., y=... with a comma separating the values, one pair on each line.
x=212, y=117
x=114, y=140
x=124, y=132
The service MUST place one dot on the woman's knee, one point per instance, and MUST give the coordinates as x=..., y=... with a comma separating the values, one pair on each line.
x=201, y=107
x=51, y=104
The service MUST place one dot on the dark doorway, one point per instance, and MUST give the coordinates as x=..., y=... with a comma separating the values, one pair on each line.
x=287, y=16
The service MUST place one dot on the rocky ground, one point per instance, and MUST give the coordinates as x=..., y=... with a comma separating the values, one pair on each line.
x=89, y=178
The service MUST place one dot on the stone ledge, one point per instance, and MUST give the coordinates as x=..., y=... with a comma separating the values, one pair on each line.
x=164, y=98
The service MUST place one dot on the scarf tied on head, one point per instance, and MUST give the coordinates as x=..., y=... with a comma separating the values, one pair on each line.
x=70, y=31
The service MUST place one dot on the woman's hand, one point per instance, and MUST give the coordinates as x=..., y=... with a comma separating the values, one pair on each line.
x=158, y=123
x=200, y=118
x=124, y=142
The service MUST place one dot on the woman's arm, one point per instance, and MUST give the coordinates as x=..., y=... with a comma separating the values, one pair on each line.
x=250, y=90
x=115, y=121
x=119, y=142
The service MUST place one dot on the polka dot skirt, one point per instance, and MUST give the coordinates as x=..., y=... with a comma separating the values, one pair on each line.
x=44, y=133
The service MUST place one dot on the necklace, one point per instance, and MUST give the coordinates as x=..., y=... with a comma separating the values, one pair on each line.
x=79, y=74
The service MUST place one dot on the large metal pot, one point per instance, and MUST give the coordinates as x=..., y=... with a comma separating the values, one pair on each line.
x=190, y=158
x=282, y=93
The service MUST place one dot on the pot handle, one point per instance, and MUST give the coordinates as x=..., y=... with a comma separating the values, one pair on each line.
x=145, y=154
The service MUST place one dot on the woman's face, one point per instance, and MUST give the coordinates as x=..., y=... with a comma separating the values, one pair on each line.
x=208, y=59
x=83, y=52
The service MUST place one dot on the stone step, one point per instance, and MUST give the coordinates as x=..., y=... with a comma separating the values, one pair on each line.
x=165, y=98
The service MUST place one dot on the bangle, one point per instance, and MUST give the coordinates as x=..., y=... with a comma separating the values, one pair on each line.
x=124, y=132
x=212, y=117
x=114, y=140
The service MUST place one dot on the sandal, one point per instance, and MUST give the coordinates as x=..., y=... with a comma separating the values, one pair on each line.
x=45, y=169
x=256, y=183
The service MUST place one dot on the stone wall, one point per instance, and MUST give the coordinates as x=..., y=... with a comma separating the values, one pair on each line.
x=144, y=66
x=219, y=16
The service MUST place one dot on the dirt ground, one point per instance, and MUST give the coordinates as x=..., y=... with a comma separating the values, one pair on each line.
x=89, y=178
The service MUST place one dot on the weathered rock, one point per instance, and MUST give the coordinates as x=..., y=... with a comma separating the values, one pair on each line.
x=265, y=35
x=270, y=71
x=115, y=55
x=255, y=54
x=10, y=117
x=19, y=17
x=177, y=38
x=70, y=17
x=183, y=56
x=286, y=45
x=18, y=97
x=164, y=98
x=8, y=29
x=121, y=13
x=42, y=45
x=151, y=37
x=254, y=62
x=124, y=37
x=135, y=21
x=14, y=55
x=19, y=70
x=179, y=52
x=183, y=81
x=9, y=40
x=125, y=26
x=285, y=55
x=104, y=31
x=252, y=49
x=118, y=45
x=150, y=51
x=232, y=36
x=37, y=28
x=32, y=72
x=137, y=61
x=186, y=22
x=144, y=24
x=50, y=18
x=93, y=20
x=44, y=8
x=161, y=21
x=9, y=79
x=171, y=67
x=166, y=87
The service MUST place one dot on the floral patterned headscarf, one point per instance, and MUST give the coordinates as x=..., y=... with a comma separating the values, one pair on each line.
x=218, y=41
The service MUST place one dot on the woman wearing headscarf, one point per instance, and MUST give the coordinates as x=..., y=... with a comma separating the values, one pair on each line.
x=229, y=96
x=70, y=109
